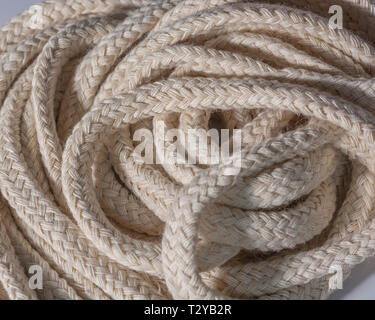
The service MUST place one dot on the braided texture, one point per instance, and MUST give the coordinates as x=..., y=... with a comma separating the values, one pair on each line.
x=79, y=77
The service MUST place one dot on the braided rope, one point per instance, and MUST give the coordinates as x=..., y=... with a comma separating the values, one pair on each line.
x=79, y=77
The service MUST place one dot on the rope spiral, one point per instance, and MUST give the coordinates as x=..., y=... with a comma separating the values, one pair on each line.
x=79, y=77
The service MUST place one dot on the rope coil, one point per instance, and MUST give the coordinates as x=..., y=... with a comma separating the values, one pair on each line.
x=79, y=77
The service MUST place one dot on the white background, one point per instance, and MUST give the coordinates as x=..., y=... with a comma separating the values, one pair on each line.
x=361, y=282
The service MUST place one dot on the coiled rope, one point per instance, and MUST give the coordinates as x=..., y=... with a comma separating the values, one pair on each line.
x=78, y=77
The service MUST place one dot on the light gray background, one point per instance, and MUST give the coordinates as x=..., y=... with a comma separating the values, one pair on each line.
x=361, y=282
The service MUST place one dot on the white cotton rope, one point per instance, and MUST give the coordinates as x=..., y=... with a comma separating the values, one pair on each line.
x=79, y=77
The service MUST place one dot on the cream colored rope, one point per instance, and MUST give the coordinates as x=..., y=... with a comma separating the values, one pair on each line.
x=79, y=77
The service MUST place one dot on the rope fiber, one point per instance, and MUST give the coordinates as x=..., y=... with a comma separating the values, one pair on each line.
x=79, y=77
